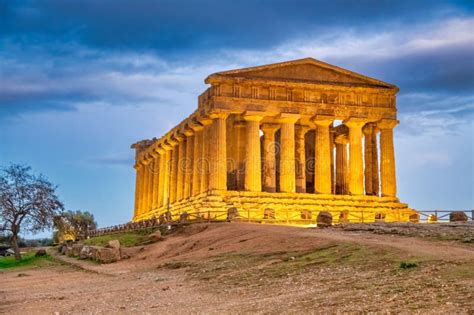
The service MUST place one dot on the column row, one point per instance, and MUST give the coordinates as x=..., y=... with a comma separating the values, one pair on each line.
x=194, y=160
x=354, y=168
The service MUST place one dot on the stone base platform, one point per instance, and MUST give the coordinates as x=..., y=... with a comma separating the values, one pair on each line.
x=286, y=208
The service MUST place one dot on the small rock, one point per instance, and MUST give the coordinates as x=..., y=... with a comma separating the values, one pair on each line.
x=324, y=219
x=155, y=236
x=76, y=249
x=457, y=216
x=114, y=244
x=108, y=255
x=84, y=254
x=40, y=252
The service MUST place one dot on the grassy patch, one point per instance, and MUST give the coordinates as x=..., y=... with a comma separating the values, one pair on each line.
x=126, y=239
x=27, y=260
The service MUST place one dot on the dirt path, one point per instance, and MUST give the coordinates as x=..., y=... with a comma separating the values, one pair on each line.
x=242, y=269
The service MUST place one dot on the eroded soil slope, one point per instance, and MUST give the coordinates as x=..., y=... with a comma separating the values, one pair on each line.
x=249, y=268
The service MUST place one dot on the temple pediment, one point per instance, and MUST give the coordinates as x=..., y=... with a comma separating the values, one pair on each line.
x=306, y=70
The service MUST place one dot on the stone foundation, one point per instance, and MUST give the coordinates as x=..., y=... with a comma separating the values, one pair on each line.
x=287, y=208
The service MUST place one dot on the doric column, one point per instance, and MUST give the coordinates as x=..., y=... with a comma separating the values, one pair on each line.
x=181, y=169
x=300, y=153
x=151, y=170
x=371, y=160
x=204, y=162
x=253, y=172
x=387, y=158
x=356, y=167
x=161, y=174
x=166, y=171
x=241, y=149
x=332, y=146
x=218, y=152
x=173, y=168
x=341, y=165
x=287, y=152
x=142, y=187
x=138, y=186
x=146, y=185
x=196, y=185
x=155, y=180
x=188, y=165
x=323, y=177
x=269, y=158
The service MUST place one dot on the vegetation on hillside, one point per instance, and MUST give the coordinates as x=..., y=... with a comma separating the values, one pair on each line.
x=127, y=239
x=73, y=225
x=28, y=260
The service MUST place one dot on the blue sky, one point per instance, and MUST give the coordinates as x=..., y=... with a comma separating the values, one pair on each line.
x=82, y=80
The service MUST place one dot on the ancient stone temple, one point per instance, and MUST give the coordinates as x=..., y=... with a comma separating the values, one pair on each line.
x=278, y=142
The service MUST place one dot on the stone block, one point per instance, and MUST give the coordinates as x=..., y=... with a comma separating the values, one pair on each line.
x=324, y=219
x=92, y=254
x=84, y=254
x=414, y=218
x=76, y=249
x=40, y=252
x=107, y=255
x=69, y=251
x=155, y=236
x=114, y=244
x=457, y=216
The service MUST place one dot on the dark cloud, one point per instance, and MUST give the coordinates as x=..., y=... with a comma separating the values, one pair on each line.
x=56, y=54
x=177, y=25
x=446, y=71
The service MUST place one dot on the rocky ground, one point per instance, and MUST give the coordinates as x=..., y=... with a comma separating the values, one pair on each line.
x=453, y=231
x=257, y=268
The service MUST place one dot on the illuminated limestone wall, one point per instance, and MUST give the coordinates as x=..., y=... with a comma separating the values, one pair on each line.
x=281, y=142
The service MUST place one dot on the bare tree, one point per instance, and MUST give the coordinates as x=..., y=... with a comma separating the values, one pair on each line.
x=27, y=203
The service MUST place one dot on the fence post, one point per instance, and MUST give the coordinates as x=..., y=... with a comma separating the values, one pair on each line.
x=248, y=215
x=472, y=215
x=287, y=218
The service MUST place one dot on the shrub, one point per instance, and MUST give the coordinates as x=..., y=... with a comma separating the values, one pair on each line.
x=408, y=265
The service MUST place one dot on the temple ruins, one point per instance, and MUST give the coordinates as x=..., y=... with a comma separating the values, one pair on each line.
x=278, y=142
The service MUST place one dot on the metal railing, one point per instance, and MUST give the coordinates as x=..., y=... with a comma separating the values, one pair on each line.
x=307, y=217
x=433, y=216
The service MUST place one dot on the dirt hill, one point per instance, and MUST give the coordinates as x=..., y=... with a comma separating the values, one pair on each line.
x=257, y=268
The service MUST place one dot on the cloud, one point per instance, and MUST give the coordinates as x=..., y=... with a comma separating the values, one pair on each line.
x=172, y=25
x=112, y=161
x=429, y=60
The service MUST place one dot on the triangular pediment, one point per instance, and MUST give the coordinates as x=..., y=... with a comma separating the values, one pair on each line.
x=306, y=70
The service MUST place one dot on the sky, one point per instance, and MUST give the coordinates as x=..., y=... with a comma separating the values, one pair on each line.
x=80, y=81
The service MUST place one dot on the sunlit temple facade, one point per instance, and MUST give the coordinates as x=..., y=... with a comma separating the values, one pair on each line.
x=278, y=142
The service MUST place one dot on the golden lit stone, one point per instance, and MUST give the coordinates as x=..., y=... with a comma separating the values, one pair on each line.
x=263, y=141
